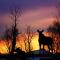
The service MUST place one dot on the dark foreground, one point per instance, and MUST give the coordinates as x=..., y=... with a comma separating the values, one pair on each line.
x=30, y=57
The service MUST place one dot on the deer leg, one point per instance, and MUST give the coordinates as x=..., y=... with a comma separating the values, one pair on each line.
x=40, y=46
x=52, y=49
x=43, y=48
x=49, y=48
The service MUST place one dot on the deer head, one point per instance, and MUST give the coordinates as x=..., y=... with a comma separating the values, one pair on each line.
x=40, y=31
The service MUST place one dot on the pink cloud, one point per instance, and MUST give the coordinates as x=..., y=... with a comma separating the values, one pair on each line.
x=40, y=17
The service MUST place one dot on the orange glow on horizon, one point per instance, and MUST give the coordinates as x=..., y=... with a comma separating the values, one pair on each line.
x=3, y=47
x=20, y=43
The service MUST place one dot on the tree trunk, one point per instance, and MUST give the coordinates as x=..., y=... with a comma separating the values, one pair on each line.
x=13, y=45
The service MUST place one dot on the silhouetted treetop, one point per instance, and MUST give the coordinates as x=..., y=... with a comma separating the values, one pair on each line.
x=55, y=28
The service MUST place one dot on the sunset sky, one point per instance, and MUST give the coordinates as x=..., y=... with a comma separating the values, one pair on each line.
x=36, y=13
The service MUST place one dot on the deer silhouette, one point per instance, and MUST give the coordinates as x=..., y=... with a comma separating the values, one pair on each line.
x=45, y=40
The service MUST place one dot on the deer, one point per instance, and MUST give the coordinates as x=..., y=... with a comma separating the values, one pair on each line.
x=45, y=40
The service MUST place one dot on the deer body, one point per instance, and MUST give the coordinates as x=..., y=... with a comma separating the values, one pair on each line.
x=45, y=40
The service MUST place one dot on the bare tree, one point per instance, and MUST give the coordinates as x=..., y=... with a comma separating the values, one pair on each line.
x=15, y=13
x=55, y=28
x=25, y=43
x=29, y=38
x=11, y=33
x=7, y=36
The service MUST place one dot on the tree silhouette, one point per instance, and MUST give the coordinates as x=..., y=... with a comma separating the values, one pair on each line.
x=55, y=28
x=11, y=33
x=29, y=38
x=14, y=16
x=56, y=24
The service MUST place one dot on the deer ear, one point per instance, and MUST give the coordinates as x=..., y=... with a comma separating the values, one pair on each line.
x=37, y=30
x=42, y=31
